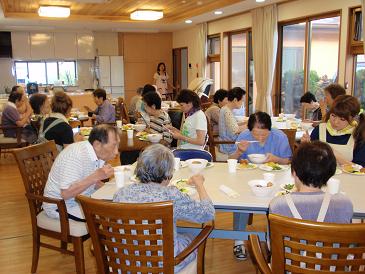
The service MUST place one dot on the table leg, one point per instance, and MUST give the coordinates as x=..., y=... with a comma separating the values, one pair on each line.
x=240, y=221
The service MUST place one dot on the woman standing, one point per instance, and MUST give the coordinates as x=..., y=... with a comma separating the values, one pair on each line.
x=194, y=130
x=161, y=78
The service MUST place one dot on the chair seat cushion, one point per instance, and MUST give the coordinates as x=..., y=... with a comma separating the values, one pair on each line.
x=77, y=229
x=191, y=268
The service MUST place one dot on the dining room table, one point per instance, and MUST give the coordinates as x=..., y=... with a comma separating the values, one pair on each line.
x=217, y=179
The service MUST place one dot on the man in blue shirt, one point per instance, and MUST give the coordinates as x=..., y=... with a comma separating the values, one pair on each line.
x=105, y=112
x=272, y=142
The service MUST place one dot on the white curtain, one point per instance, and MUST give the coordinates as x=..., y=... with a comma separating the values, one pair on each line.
x=202, y=46
x=265, y=45
x=363, y=20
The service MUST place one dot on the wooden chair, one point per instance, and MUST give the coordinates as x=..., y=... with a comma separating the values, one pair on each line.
x=121, y=112
x=300, y=246
x=137, y=238
x=74, y=123
x=290, y=133
x=35, y=163
x=213, y=141
x=10, y=143
x=206, y=105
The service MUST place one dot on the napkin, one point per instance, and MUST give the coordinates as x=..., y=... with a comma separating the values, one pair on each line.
x=229, y=191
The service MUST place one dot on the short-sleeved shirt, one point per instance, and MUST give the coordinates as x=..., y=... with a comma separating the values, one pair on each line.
x=61, y=133
x=74, y=163
x=308, y=204
x=228, y=127
x=161, y=82
x=276, y=143
x=105, y=113
x=194, y=122
x=157, y=123
x=212, y=114
x=9, y=118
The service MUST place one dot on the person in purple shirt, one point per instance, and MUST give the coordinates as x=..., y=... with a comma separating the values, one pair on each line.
x=105, y=112
x=270, y=141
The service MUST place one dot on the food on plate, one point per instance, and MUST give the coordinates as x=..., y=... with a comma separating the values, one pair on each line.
x=127, y=126
x=362, y=170
x=141, y=133
x=269, y=184
x=183, y=186
x=246, y=164
x=274, y=166
x=354, y=169
x=85, y=131
x=289, y=187
x=196, y=162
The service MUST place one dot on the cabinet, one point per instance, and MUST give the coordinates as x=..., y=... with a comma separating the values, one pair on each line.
x=42, y=46
x=85, y=46
x=65, y=45
x=20, y=45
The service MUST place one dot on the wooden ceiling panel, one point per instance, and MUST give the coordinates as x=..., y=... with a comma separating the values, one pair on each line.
x=116, y=10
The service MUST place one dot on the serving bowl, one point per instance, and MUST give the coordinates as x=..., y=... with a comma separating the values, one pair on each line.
x=257, y=158
x=154, y=137
x=260, y=188
x=139, y=127
x=196, y=165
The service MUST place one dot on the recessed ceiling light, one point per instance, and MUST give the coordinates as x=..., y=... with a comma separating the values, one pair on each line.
x=147, y=15
x=199, y=3
x=54, y=11
x=188, y=21
x=218, y=12
x=260, y=1
x=183, y=1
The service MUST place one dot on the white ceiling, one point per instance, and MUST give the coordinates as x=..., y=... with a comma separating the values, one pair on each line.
x=68, y=25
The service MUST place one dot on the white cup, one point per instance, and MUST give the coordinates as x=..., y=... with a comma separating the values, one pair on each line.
x=232, y=165
x=119, y=123
x=130, y=133
x=333, y=185
x=119, y=178
x=177, y=163
x=269, y=177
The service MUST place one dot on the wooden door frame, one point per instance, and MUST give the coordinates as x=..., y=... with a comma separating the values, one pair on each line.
x=173, y=66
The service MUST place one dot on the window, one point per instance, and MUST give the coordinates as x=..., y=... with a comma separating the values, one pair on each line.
x=309, y=59
x=214, y=64
x=359, y=85
x=241, y=71
x=46, y=73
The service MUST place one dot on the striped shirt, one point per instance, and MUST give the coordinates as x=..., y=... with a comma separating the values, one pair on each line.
x=157, y=123
x=73, y=164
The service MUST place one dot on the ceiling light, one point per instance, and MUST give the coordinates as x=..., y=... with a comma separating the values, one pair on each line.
x=188, y=21
x=260, y=1
x=147, y=15
x=218, y=12
x=54, y=11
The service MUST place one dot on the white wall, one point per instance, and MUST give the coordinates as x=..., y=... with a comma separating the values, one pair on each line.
x=286, y=11
x=7, y=78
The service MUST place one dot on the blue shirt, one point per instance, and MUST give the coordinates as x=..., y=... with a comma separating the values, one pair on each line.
x=277, y=144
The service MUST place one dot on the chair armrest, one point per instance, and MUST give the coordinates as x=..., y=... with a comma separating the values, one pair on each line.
x=256, y=255
x=62, y=211
x=196, y=243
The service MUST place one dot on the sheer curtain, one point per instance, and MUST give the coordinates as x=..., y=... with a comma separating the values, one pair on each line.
x=265, y=45
x=202, y=46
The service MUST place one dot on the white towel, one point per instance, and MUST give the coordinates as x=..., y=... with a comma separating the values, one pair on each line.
x=229, y=191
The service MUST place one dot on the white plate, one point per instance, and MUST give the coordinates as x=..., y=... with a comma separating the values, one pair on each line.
x=183, y=164
x=251, y=166
x=184, y=187
x=265, y=167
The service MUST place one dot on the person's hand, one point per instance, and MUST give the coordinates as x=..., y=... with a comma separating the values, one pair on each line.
x=306, y=137
x=242, y=145
x=104, y=172
x=271, y=158
x=78, y=137
x=196, y=180
x=98, y=184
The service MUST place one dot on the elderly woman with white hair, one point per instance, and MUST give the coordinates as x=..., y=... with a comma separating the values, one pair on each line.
x=154, y=186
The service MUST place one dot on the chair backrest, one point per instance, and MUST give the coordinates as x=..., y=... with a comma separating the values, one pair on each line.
x=211, y=144
x=35, y=163
x=131, y=238
x=300, y=246
x=186, y=154
x=290, y=133
x=121, y=112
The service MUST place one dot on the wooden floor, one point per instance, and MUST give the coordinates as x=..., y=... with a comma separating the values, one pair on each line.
x=16, y=236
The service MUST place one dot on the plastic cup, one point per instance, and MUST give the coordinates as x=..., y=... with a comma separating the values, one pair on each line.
x=119, y=123
x=177, y=163
x=269, y=177
x=119, y=178
x=232, y=165
x=333, y=185
x=130, y=133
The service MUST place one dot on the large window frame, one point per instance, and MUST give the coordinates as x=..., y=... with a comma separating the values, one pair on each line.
x=249, y=59
x=278, y=88
x=46, y=70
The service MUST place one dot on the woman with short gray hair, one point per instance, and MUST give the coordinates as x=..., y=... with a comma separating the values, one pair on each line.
x=154, y=171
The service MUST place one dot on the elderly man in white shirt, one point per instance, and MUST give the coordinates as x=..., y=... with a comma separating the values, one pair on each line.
x=80, y=169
